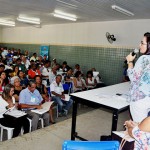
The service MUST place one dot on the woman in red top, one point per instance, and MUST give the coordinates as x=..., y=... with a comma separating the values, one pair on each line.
x=33, y=71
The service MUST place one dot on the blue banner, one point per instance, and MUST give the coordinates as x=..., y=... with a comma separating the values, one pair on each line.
x=44, y=50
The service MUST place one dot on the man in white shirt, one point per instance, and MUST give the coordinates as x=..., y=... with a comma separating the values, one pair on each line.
x=46, y=72
x=58, y=96
x=52, y=75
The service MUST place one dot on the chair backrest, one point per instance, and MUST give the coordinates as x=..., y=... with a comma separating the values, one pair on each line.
x=67, y=87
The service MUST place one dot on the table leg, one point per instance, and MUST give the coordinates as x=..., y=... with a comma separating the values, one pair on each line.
x=74, y=115
x=114, y=121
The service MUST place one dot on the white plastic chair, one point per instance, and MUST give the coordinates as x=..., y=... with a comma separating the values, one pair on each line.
x=9, y=132
x=30, y=122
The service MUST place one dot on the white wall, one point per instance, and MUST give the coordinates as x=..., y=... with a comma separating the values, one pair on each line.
x=128, y=33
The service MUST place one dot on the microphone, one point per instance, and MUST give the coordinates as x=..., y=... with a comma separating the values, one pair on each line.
x=135, y=51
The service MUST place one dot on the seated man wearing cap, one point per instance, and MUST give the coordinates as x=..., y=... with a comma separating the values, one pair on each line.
x=29, y=99
x=58, y=96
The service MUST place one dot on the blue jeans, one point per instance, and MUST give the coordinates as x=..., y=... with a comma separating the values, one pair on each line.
x=62, y=104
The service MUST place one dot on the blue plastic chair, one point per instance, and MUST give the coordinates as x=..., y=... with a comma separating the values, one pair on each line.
x=90, y=145
x=67, y=87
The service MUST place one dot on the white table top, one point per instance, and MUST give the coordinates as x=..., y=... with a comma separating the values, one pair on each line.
x=107, y=95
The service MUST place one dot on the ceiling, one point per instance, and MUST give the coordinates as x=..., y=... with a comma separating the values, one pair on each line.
x=85, y=10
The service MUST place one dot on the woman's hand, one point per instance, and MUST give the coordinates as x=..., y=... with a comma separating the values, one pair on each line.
x=130, y=57
x=130, y=124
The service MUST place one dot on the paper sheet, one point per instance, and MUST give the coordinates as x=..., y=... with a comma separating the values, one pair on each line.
x=45, y=108
x=67, y=97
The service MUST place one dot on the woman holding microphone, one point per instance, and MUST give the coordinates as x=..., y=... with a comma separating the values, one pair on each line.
x=139, y=75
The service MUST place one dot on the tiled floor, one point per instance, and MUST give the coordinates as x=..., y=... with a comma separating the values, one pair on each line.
x=90, y=125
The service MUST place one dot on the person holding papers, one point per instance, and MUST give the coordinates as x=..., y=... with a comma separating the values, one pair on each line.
x=30, y=99
x=7, y=103
x=44, y=93
x=139, y=75
x=58, y=96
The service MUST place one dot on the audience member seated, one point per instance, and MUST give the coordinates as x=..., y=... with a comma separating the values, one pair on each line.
x=69, y=75
x=54, y=63
x=15, y=71
x=23, y=79
x=3, y=80
x=58, y=96
x=26, y=54
x=33, y=72
x=78, y=84
x=52, y=74
x=7, y=101
x=140, y=132
x=45, y=72
x=15, y=81
x=26, y=62
x=64, y=66
x=45, y=58
x=34, y=57
x=90, y=80
x=40, y=61
x=44, y=93
x=20, y=65
x=29, y=99
x=2, y=67
x=77, y=68
x=98, y=78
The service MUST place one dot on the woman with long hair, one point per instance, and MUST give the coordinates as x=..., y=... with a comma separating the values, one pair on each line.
x=3, y=80
x=7, y=101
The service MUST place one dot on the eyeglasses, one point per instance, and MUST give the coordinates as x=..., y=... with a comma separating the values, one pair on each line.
x=143, y=43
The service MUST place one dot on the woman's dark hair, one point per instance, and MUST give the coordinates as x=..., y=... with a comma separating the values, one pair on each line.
x=37, y=77
x=19, y=72
x=6, y=93
x=15, y=67
x=89, y=72
x=6, y=81
x=147, y=35
x=77, y=74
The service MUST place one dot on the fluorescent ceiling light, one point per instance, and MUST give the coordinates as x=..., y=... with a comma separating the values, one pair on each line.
x=7, y=23
x=122, y=10
x=29, y=20
x=63, y=15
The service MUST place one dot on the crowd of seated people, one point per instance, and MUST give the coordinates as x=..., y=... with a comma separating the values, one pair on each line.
x=27, y=80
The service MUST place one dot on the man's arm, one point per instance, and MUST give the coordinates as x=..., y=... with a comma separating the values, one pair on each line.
x=30, y=106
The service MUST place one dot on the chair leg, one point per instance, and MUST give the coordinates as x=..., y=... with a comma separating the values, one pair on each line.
x=1, y=134
x=30, y=123
x=57, y=110
x=42, y=122
x=9, y=134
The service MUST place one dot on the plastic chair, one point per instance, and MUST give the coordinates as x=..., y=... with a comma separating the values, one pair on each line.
x=67, y=87
x=9, y=132
x=30, y=123
x=90, y=145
